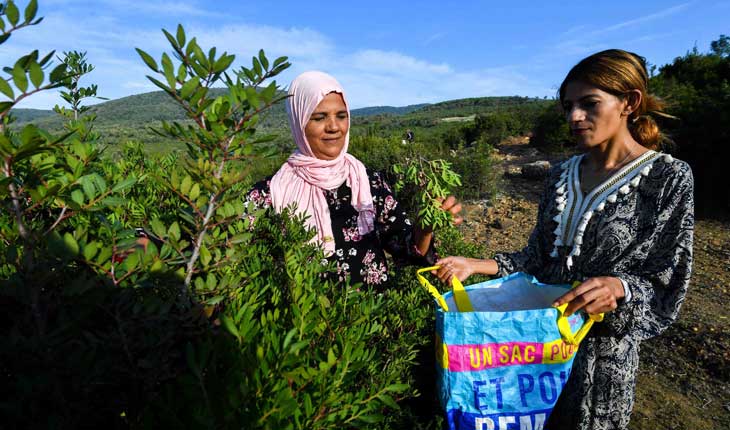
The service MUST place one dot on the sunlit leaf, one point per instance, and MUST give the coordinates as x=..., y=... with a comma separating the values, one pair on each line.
x=6, y=89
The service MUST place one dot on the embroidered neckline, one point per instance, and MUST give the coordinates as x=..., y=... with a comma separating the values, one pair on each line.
x=572, y=224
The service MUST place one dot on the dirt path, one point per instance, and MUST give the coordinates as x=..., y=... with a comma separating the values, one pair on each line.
x=684, y=378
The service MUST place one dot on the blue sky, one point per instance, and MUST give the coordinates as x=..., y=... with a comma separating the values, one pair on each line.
x=383, y=52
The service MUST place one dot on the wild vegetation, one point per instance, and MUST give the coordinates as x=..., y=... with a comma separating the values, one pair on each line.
x=138, y=290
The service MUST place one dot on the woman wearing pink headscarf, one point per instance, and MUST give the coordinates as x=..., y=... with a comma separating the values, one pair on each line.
x=352, y=209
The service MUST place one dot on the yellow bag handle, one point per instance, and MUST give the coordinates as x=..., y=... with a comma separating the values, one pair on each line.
x=463, y=304
x=564, y=326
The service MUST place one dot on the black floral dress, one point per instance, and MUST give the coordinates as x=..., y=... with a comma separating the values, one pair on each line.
x=636, y=226
x=362, y=258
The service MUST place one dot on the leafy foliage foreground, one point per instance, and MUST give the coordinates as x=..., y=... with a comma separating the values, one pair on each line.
x=145, y=293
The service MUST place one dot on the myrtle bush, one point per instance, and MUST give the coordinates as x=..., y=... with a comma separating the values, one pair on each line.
x=143, y=292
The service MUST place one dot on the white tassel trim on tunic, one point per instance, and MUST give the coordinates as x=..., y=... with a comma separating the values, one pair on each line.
x=562, y=199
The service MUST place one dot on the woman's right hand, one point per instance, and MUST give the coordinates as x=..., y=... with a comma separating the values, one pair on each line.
x=462, y=268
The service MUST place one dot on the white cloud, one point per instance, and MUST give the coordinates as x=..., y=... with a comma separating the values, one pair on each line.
x=370, y=76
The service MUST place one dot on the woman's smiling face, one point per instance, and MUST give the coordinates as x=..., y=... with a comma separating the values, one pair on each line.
x=327, y=127
x=594, y=116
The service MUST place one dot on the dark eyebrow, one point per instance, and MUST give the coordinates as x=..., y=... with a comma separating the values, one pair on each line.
x=325, y=113
x=581, y=99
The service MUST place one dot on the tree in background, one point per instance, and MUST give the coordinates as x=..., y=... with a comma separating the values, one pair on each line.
x=697, y=88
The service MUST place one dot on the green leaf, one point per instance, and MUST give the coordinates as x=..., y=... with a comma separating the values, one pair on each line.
x=90, y=250
x=19, y=78
x=6, y=89
x=168, y=70
x=161, y=85
x=194, y=192
x=104, y=255
x=210, y=281
x=72, y=246
x=205, y=256
x=180, y=35
x=36, y=74
x=214, y=300
x=158, y=228
x=298, y=345
x=47, y=58
x=388, y=401
x=124, y=184
x=223, y=63
x=324, y=302
x=230, y=326
x=256, y=66
x=396, y=388
x=113, y=201
x=174, y=231
x=182, y=72
x=58, y=73
x=185, y=185
x=171, y=39
x=78, y=197
x=11, y=11
x=5, y=106
x=188, y=88
x=371, y=419
x=89, y=188
x=31, y=10
x=264, y=61
x=151, y=63
x=279, y=61
x=289, y=336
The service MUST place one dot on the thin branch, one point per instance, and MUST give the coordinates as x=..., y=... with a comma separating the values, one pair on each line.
x=60, y=218
x=17, y=210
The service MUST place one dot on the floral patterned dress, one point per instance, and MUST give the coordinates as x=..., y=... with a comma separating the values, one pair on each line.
x=636, y=226
x=363, y=257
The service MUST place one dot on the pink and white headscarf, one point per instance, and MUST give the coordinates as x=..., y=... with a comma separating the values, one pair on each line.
x=303, y=178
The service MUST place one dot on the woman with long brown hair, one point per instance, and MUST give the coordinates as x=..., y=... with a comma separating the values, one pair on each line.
x=619, y=218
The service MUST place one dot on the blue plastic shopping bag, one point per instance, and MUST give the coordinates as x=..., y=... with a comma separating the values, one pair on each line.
x=503, y=352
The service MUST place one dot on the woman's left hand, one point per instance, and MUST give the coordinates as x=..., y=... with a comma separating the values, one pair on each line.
x=594, y=295
x=425, y=234
x=452, y=206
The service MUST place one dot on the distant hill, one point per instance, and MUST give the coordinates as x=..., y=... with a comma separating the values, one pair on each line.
x=132, y=117
x=27, y=115
x=392, y=110
x=471, y=106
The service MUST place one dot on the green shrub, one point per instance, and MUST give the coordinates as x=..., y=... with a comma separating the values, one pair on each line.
x=222, y=318
x=551, y=131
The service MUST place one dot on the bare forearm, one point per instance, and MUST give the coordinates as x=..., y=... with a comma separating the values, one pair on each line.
x=483, y=267
x=423, y=240
x=463, y=267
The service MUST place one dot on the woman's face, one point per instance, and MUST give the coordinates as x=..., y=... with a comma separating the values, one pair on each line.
x=327, y=127
x=594, y=116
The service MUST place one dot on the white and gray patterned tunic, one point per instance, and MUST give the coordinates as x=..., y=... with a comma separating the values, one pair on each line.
x=636, y=226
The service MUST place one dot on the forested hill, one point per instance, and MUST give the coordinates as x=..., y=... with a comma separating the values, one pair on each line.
x=156, y=106
x=390, y=110
x=472, y=106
